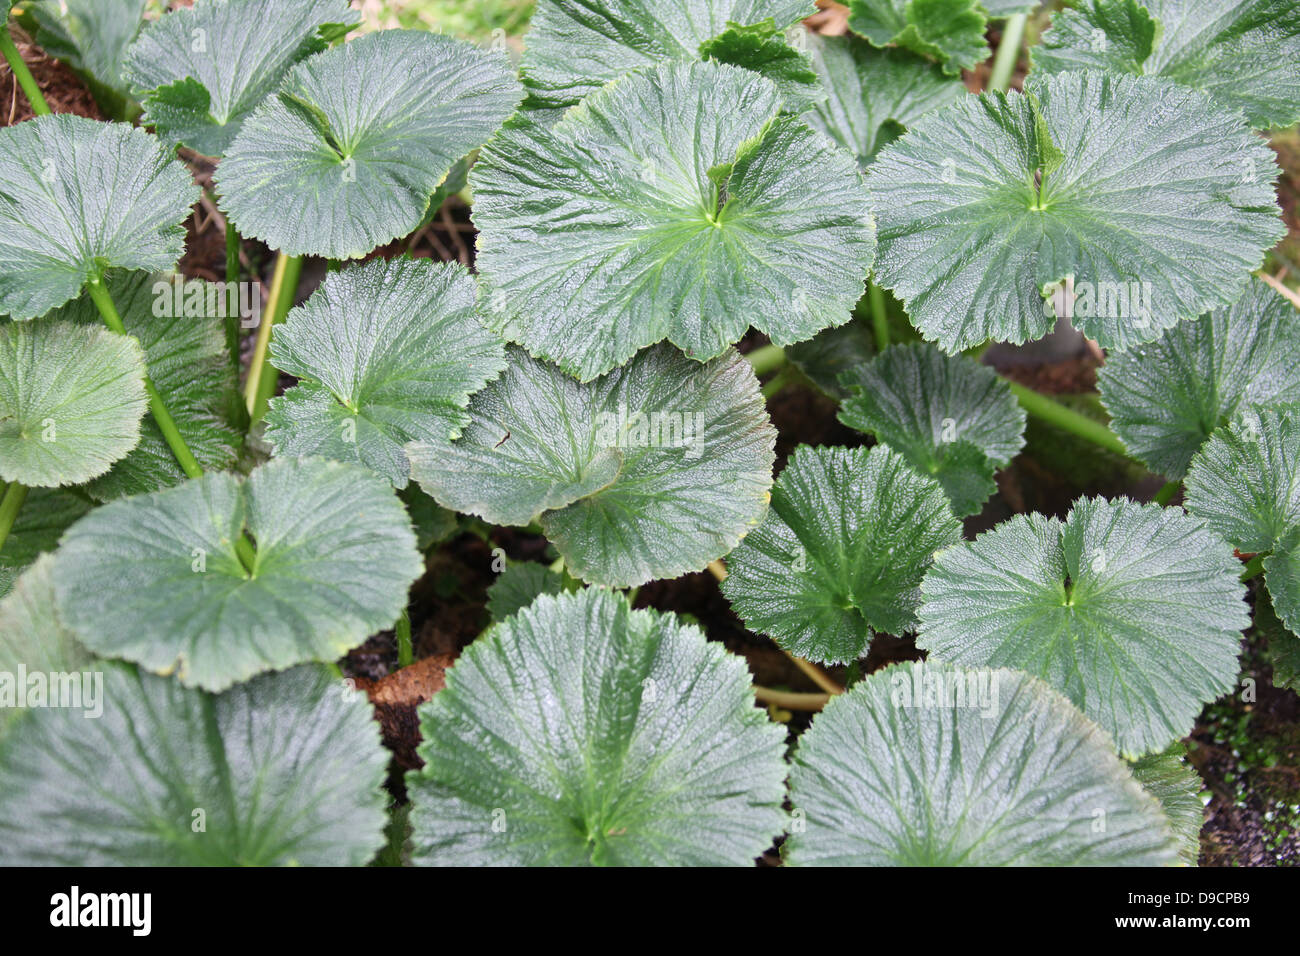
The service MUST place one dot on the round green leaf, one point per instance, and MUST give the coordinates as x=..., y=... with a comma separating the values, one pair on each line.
x=951, y=31
x=842, y=551
x=202, y=70
x=77, y=197
x=1155, y=203
x=874, y=94
x=706, y=213
x=31, y=635
x=931, y=765
x=1133, y=612
x=71, y=400
x=181, y=326
x=651, y=471
x=388, y=353
x=1166, y=398
x=831, y=352
x=1168, y=778
x=574, y=47
x=285, y=770
x=582, y=732
x=347, y=153
x=157, y=579
x=927, y=405
x=1245, y=481
x=1242, y=53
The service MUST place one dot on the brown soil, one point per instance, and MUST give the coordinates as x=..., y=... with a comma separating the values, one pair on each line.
x=59, y=85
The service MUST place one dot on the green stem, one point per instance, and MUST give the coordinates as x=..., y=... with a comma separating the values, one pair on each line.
x=766, y=358
x=405, y=653
x=10, y=505
x=1004, y=64
x=1254, y=567
x=879, y=317
x=1166, y=494
x=232, y=307
x=161, y=416
x=22, y=73
x=1054, y=413
x=778, y=382
x=262, y=376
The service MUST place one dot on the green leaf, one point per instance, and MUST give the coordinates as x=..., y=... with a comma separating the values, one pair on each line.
x=651, y=471
x=931, y=765
x=346, y=155
x=1168, y=778
x=1282, y=575
x=1133, y=612
x=388, y=353
x=764, y=48
x=45, y=515
x=706, y=214
x=31, y=635
x=157, y=579
x=841, y=553
x=1155, y=200
x=1165, y=399
x=1282, y=644
x=927, y=406
x=830, y=353
x=519, y=585
x=203, y=69
x=285, y=770
x=574, y=47
x=179, y=323
x=950, y=31
x=874, y=94
x=92, y=37
x=1245, y=481
x=433, y=523
x=71, y=400
x=582, y=732
x=78, y=197
x=1242, y=53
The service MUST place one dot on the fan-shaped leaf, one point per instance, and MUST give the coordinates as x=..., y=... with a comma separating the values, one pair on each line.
x=78, y=197
x=1168, y=778
x=931, y=765
x=71, y=400
x=614, y=737
x=1166, y=398
x=285, y=770
x=1133, y=612
x=926, y=405
x=649, y=472
x=1245, y=481
x=31, y=635
x=158, y=579
x=346, y=155
x=874, y=94
x=1155, y=200
x=203, y=69
x=842, y=552
x=951, y=31
x=1283, y=646
x=705, y=214
x=389, y=352
x=574, y=47
x=519, y=586
x=1282, y=575
x=92, y=37
x=180, y=324
x=1241, y=53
